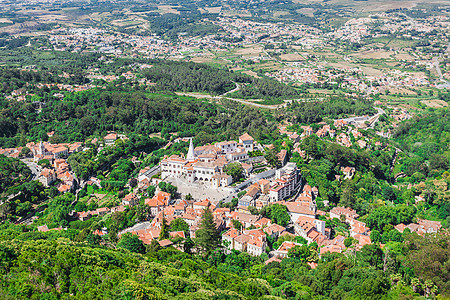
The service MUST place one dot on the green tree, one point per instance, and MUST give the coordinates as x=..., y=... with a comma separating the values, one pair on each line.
x=151, y=191
x=271, y=157
x=164, y=234
x=131, y=242
x=375, y=236
x=439, y=162
x=235, y=170
x=45, y=163
x=207, y=236
x=180, y=224
x=348, y=197
x=236, y=224
x=279, y=214
x=301, y=252
x=371, y=255
x=25, y=151
x=154, y=246
x=93, y=239
x=349, y=241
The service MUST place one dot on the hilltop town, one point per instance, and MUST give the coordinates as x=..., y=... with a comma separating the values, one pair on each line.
x=224, y=149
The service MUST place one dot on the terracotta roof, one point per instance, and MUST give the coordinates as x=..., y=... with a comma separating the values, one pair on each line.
x=42, y=228
x=272, y=259
x=331, y=248
x=262, y=222
x=300, y=209
x=274, y=228
x=165, y=243
x=246, y=137
x=180, y=234
x=111, y=136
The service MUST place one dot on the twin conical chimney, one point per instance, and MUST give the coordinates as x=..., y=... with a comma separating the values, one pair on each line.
x=190, y=154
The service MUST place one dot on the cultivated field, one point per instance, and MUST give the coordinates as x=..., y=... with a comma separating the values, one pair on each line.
x=435, y=103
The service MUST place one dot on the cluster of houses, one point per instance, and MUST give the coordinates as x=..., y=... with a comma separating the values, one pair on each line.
x=421, y=227
x=49, y=151
x=206, y=163
x=347, y=133
x=252, y=237
x=61, y=172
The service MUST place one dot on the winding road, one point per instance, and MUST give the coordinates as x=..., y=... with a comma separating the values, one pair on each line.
x=252, y=102
x=445, y=84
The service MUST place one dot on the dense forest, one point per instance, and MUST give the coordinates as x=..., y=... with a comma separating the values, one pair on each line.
x=190, y=23
x=171, y=75
x=17, y=191
x=323, y=163
x=12, y=172
x=94, y=112
x=313, y=111
x=54, y=265
x=427, y=137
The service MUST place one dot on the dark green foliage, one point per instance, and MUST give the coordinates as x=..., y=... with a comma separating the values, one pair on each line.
x=271, y=156
x=97, y=272
x=207, y=236
x=131, y=242
x=235, y=170
x=94, y=112
x=429, y=257
x=299, y=252
x=12, y=172
x=375, y=236
x=426, y=135
x=171, y=76
x=383, y=216
x=164, y=234
x=168, y=188
x=180, y=224
x=335, y=107
x=277, y=213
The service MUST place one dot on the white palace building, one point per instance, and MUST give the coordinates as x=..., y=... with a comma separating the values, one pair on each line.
x=206, y=163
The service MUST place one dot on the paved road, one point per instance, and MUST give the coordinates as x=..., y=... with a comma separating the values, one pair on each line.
x=243, y=101
x=359, y=119
x=445, y=84
x=376, y=117
x=139, y=226
x=35, y=168
x=237, y=88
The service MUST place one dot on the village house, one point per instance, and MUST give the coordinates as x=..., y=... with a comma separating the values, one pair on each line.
x=282, y=251
x=47, y=177
x=201, y=205
x=110, y=138
x=348, y=172
x=247, y=141
x=299, y=209
x=283, y=156
x=421, y=227
x=263, y=222
x=158, y=202
x=274, y=230
x=249, y=198
x=246, y=219
x=337, y=211
x=251, y=241
x=130, y=200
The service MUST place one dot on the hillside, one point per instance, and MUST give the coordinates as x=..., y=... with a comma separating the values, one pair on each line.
x=36, y=265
